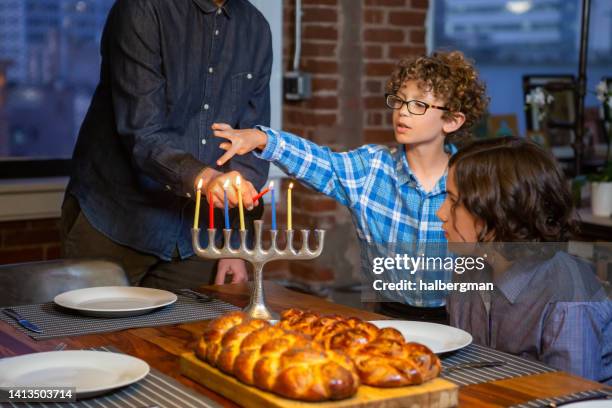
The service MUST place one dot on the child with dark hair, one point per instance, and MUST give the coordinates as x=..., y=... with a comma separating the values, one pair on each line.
x=392, y=193
x=510, y=195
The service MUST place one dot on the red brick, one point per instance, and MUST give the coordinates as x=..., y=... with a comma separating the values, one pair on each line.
x=378, y=136
x=374, y=119
x=8, y=256
x=374, y=102
x=420, y=4
x=324, y=119
x=324, y=102
x=315, y=66
x=30, y=237
x=320, y=32
x=15, y=225
x=53, y=252
x=383, y=35
x=49, y=223
x=374, y=86
x=417, y=37
x=379, y=68
x=373, y=16
x=397, y=52
x=319, y=15
x=310, y=49
x=373, y=51
x=392, y=3
x=320, y=2
x=407, y=18
x=300, y=117
x=324, y=84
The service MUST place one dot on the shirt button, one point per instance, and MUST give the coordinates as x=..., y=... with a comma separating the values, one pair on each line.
x=188, y=195
x=203, y=141
x=210, y=70
x=216, y=32
x=249, y=76
x=206, y=106
x=168, y=187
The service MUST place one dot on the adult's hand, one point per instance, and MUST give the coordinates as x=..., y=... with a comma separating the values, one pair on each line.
x=216, y=186
x=236, y=268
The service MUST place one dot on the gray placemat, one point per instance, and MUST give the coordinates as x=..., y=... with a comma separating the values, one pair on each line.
x=546, y=402
x=514, y=366
x=156, y=389
x=58, y=322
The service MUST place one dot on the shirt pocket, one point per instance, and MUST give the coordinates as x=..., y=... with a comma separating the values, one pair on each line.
x=242, y=86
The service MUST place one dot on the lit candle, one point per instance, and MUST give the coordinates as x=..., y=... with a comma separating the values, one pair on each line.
x=211, y=212
x=273, y=205
x=196, y=217
x=225, y=186
x=240, y=209
x=289, y=226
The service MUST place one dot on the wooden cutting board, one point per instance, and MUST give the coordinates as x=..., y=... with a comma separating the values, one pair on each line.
x=437, y=393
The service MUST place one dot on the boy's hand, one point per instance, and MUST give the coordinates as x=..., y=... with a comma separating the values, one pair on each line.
x=241, y=141
x=216, y=187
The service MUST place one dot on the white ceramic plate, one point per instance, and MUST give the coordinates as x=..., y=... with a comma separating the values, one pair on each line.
x=115, y=301
x=590, y=404
x=438, y=337
x=91, y=372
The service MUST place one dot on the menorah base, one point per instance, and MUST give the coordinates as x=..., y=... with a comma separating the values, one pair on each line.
x=260, y=311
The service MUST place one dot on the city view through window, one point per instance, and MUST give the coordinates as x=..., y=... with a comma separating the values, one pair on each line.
x=50, y=58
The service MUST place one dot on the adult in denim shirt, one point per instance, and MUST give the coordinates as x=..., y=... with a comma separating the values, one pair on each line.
x=170, y=68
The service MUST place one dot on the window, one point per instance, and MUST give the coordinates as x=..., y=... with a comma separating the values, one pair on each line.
x=49, y=68
x=512, y=38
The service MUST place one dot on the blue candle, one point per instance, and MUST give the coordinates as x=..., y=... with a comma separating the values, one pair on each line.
x=273, y=205
x=227, y=224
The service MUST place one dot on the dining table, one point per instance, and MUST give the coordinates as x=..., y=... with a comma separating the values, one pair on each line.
x=161, y=347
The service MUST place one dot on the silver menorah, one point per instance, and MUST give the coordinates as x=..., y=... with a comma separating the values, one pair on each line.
x=258, y=257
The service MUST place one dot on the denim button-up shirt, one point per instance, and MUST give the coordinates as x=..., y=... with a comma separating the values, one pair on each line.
x=170, y=69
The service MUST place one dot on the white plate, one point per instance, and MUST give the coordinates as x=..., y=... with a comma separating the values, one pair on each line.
x=438, y=337
x=91, y=372
x=115, y=301
x=590, y=404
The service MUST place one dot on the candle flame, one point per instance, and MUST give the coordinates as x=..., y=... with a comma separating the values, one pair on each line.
x=238, y=180
x=226, y=184
x=200, y=184
x=290, y=185
x=271, y=185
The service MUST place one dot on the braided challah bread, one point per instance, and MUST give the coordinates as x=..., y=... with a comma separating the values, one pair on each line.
x=382, y=357
x=284, y=362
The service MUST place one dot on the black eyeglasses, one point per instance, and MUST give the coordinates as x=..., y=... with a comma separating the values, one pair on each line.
x=414, y=106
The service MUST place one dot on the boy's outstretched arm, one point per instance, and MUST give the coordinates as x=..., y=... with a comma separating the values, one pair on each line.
x=338, y=175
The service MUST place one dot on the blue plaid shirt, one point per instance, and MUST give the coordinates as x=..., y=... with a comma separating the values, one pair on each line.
x=388, y=204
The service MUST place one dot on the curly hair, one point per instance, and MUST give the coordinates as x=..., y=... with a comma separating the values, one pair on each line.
x=516, y=189
x=451, y=78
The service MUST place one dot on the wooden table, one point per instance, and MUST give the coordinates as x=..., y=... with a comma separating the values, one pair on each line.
x=161, y=346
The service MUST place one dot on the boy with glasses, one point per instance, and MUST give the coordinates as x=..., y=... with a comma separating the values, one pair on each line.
x=393, y=193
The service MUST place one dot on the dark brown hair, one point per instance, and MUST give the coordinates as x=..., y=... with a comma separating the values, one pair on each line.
x=451, y=78
x=516, y=189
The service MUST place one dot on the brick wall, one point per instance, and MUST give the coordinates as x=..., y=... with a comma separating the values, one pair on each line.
x=25, y=241
x=349, y=47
